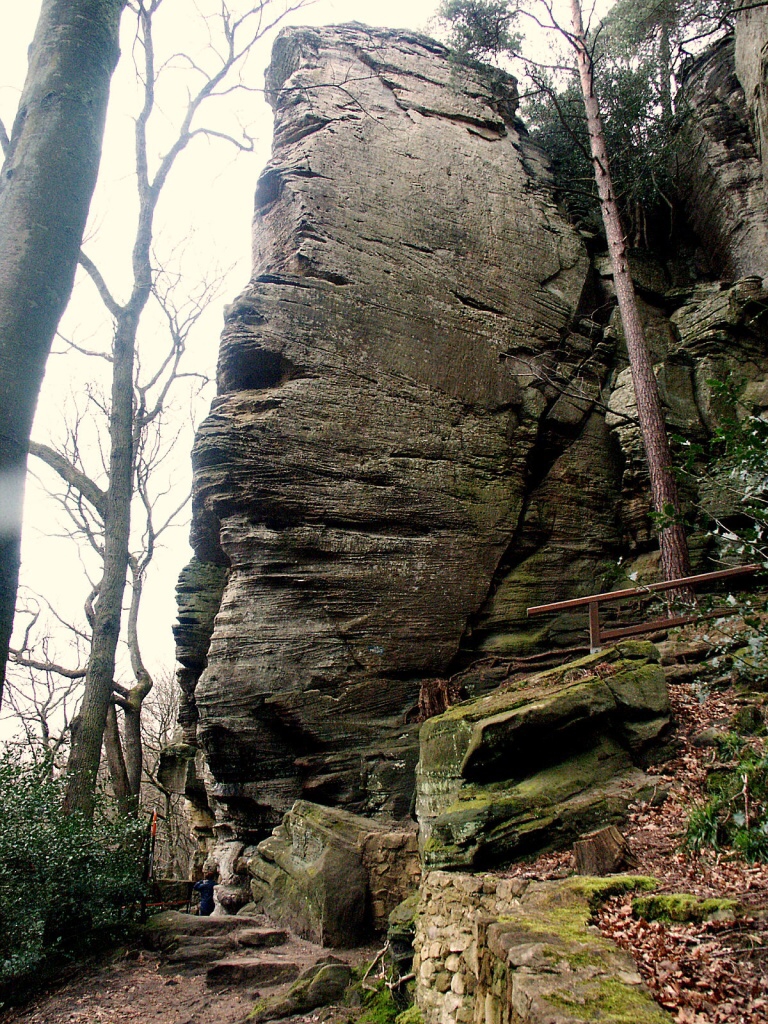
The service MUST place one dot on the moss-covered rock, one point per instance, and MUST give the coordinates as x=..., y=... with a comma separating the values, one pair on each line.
x=526, y=951
x=552, y=962
x=410, y=1016
x=402, y=927
x=748, y=721
x=538, y=762
x=683, y=907
x=309, y=874
x=323, y=983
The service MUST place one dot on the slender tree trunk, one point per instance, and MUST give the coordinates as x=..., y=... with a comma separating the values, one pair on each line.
x=132, y=729
x=665, y=59
x=46, y=185
x=113, y=749
x=97, y=696
x=674, y=547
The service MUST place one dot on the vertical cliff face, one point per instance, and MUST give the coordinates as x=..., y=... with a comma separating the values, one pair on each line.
x=364, y=466
x=751, y=61
x=721, y=173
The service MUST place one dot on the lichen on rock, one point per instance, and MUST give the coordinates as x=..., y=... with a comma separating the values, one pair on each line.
x=539, y=762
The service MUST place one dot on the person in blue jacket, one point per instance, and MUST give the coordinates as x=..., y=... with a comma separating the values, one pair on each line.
x=205, y=888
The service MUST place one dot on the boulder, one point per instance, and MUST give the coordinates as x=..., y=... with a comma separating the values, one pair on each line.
x=316, y=874
x=323, y=983
x=539, y=762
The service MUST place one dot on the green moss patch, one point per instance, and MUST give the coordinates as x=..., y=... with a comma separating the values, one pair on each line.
x=683, y=907
x=612, y=1000
x=410, y=1016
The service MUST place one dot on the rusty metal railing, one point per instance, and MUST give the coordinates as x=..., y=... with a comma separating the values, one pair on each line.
x=593, y=602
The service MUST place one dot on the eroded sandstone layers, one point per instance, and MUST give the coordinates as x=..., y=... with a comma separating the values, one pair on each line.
x=425, y=419
x=363, y=469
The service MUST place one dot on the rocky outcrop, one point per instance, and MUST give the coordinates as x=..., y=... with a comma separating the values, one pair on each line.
x=510, y=951
x=539, y=762
x=331, y=876
x=364, y=467
x=410, y=442
x=721, y=175
x=752, y=72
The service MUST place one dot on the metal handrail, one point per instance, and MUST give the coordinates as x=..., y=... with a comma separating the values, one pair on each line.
x=593, y=602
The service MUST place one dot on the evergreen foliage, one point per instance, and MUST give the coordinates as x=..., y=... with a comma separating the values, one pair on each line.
x=638, y=52
x=479, y=29
x=63, y=879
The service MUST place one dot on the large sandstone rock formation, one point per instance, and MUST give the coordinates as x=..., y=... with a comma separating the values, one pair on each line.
x=364, y=467
x=752, y=70
x=720, y=169
x=540, y=761
x=410, y=442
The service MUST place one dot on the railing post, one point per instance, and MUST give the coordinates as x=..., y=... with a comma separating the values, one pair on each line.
x=594, y=627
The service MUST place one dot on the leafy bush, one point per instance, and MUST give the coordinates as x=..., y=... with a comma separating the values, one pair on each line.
x=63, y=879
x=736, y=811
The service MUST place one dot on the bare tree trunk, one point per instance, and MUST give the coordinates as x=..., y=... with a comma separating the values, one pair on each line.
x=129, y=415
x=46, y=186
x=97, y=697
x=674, y=547
x=132, y=744
x=116, y=763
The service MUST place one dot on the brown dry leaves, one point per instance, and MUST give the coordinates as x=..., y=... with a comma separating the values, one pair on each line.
x=704, y=974
x=701, y=973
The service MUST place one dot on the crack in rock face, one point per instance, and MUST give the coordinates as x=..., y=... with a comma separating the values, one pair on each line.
x=364, y=466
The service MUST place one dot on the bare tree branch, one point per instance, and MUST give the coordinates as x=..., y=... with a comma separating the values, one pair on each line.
x=46, y=666
x=71, y=475
x=93, y=272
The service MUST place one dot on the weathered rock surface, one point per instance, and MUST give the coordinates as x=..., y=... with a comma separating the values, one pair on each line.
x=168, y=929
x=319, y=985
x=539, y=762
x=752, y=71
x=517, y=952
x=720, y=170
x=363, y=468
x=261, y=970
x=331, y=876
x=409, y=444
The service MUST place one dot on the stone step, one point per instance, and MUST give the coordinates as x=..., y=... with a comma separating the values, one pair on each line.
x=262, y=938
x=170, y=927
x=201, y=950
x=251, y=971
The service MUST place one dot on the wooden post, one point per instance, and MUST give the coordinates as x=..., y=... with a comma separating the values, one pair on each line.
x=594, y=627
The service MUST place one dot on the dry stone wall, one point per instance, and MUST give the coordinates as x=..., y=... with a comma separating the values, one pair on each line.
x=495, y=950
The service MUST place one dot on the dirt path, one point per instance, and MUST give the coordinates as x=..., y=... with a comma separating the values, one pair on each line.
x=139, y=987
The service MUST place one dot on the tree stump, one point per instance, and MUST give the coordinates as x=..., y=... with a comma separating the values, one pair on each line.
x=602, y=852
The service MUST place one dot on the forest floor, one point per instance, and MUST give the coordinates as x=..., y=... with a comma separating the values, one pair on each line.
x=705, y=973
x=135, y=986
x=702, y=973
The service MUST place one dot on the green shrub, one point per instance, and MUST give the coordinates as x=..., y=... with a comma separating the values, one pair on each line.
x=63, y=879
x=735, y=813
